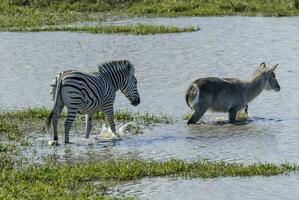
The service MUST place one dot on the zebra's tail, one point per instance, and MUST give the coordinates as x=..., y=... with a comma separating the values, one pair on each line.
x=56, y=96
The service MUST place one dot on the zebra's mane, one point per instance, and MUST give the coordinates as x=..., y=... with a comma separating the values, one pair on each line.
x=117, y=65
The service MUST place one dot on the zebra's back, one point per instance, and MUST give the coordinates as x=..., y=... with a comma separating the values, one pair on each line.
x=82, y=91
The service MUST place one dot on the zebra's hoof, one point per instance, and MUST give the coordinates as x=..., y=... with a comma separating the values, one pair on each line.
x=53, y=143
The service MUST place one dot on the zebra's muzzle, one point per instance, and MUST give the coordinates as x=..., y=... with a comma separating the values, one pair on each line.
x=135, y=102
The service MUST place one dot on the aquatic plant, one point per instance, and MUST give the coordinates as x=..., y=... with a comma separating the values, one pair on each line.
x=10, y=130
x=26, y=114
x=6, y=162
x=78, y=180
x=42, y=113
x=7, y=147
x=139, y=29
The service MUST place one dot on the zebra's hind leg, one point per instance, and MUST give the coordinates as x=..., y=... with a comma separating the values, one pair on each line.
x=56, y=113
x=71, y=115
x=88, y=127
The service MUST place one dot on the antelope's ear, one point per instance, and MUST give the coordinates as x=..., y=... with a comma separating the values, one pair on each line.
x=263, y=65
x=274, y=68
x=130, y=67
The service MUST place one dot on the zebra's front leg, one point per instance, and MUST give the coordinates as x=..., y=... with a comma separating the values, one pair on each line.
x=71, y=115
x=88, y=126
x=110, y=119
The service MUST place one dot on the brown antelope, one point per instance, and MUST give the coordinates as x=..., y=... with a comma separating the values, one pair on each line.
x=228, y=94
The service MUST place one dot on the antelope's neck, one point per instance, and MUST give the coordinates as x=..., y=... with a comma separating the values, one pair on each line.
x=254, y=87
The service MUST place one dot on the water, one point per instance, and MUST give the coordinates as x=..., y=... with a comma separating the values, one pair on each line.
x=278, y=187
x=165, y=66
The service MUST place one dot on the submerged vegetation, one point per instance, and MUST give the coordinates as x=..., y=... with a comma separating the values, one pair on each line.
x=42, y=113
x=138, y=29
x=91, y=180
x=55, y=15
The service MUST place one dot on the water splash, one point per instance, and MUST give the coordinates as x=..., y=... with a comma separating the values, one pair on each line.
x=130, y=128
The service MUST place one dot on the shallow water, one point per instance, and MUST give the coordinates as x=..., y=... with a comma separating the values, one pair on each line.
x=165, y=66
x=285, y=187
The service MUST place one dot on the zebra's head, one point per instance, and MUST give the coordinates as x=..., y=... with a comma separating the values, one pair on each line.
x=129, y=84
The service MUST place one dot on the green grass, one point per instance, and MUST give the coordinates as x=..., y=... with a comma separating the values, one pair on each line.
x=173, y=8
x=7, y=147
x=10, y=130
x=139, y=29
x=6, y=162
x=26, y=114
x=46, y=15
x=32, y=114
x=54, y=181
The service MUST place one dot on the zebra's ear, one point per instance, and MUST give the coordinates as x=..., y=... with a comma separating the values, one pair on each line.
x=130, y=67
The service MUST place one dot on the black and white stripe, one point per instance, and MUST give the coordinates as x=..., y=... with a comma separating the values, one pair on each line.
x=87, y=93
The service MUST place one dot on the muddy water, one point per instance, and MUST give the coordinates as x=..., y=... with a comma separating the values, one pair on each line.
x=165, y=66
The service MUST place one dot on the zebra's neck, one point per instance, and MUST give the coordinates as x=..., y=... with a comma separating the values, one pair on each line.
x=114, y=80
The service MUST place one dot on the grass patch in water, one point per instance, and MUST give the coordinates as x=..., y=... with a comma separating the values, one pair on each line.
x=6, y=162
x=139, y=29
x=43, y=15
x=42, y=113
x=78, y=181
x=25, y=114
x=10, y=130
x=7, y=147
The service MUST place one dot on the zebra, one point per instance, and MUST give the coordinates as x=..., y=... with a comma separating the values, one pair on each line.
x=88, y=93
x=228, y=94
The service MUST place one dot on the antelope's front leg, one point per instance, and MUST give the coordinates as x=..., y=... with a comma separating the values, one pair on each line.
x=232, y=115
x=88, y=125
x=246, y=109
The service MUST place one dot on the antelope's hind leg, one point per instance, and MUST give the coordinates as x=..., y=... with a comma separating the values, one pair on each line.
x=199, y=110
